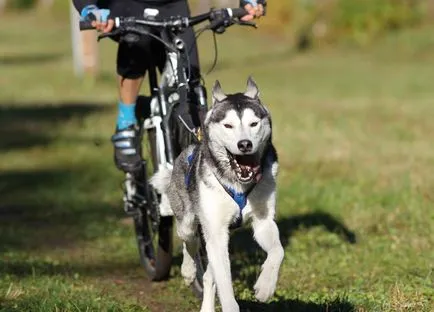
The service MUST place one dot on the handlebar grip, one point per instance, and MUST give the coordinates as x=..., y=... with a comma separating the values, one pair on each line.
x=215, y=24
x=239, y=12
x=224, y=17
x=86, y=25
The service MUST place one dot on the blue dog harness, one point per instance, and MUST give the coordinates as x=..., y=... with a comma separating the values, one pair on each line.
x=239, y=197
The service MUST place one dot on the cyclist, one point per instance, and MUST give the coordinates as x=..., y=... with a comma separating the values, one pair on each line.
x=133, y=60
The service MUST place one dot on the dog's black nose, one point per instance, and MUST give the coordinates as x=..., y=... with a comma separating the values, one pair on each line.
x=245, y=146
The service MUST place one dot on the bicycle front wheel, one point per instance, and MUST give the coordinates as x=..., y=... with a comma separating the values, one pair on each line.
x=154, y=233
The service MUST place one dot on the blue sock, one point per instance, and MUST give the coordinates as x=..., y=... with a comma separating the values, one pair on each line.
x=126, y=115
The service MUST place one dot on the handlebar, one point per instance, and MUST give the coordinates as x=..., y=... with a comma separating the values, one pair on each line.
x=218, y=18
x=86, y=25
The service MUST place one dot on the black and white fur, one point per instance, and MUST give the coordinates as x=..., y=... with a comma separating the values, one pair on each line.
x=233, y=118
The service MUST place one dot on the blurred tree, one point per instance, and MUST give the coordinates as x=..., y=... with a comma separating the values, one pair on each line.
x=365, y=20
x=26, y=4
x=315, y=26
x=20, y=4
x=281, y=16
x=2, y=6
x=431, y=9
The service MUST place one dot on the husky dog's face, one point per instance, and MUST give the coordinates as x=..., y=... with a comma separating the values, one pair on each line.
x=239, y=129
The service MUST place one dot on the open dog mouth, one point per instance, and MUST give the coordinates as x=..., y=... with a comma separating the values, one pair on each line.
x=246, y=167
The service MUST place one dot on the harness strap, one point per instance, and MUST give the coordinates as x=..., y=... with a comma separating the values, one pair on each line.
x=191, y=159
x=241, y=199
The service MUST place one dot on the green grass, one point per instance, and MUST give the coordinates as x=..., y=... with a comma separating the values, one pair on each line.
x=354, y=134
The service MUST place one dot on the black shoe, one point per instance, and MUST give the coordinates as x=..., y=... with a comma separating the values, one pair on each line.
x=128, y=152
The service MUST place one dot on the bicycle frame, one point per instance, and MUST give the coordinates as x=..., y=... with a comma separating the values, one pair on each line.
x=160, y=110
x=171, y=91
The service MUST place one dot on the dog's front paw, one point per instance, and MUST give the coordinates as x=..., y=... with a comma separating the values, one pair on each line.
x=265, y=286
x=188, y=271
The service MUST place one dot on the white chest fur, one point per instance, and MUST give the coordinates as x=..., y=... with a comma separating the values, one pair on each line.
x=216, y=205
x=219, y=208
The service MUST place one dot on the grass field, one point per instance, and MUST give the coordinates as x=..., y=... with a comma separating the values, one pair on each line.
x=354, y=131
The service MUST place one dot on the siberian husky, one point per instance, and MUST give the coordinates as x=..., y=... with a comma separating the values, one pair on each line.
x=228, y=178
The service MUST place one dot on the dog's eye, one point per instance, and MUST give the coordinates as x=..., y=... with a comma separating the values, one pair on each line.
x=254, y=124
x=228, y=126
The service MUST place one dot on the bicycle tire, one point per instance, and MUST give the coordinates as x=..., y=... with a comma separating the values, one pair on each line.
x=156, y=250
x=155, y=246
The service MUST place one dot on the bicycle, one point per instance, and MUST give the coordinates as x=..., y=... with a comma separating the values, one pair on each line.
x=165, y=135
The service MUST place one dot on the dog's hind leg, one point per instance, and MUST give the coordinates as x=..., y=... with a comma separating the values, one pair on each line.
x=266, y=234
x=186, y=228
x=208, y=301
x=188, y=267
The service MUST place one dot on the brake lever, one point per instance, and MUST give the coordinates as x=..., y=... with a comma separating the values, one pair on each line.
x=219, y=26
x=243, y=23
x=115, y=32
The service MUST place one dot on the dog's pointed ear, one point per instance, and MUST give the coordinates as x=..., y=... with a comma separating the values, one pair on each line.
x=252, y=90
x=217, y=92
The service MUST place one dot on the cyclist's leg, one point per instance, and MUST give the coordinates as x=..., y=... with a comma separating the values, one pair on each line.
x=132, y=65
x=126, y=140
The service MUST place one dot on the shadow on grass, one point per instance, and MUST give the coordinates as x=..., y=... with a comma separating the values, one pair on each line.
x=248, y=253
x=29, y=59
x=45, y=210
x=28, y=125
x=116, y=269
x=318, y=218
x=295, y=305
x=42, y=210
x=49, y=209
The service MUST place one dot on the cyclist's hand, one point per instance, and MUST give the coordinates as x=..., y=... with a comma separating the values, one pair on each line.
x=99, y=18
x=254, y=9
x=104, y=27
